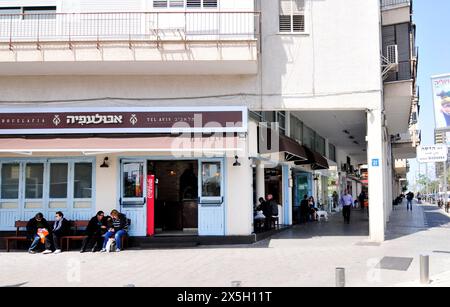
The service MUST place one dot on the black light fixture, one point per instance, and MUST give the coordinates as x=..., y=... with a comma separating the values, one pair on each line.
x=105, y=163
x=236, y=163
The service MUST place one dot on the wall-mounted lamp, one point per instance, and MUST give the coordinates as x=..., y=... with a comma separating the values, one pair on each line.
x=236, y=163
x=105, y=163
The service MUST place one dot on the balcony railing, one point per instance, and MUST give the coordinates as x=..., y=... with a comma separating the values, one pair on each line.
x=140, y=26
x=387, y=4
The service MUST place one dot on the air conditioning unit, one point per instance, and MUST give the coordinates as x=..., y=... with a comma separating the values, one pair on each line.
x=392, y=56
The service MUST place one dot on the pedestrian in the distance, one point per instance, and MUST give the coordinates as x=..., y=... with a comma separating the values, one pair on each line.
x=409, y=199
x=347, y=202
x=362, y=200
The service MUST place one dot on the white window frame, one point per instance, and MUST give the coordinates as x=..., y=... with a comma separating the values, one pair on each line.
x=133, y=201
x=306, y=14
x=184, y=6
x=46, y=200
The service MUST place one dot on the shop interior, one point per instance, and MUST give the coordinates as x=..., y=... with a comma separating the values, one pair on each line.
x=273, y=184
x=176, y=197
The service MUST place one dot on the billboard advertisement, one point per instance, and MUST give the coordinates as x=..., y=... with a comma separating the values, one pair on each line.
x=441, y=98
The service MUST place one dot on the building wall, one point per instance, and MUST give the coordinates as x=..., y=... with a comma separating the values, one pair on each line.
x=321, y=69
x=307, y=69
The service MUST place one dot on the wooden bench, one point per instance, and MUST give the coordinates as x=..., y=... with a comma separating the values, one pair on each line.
x=75, y=225
x=17, y=238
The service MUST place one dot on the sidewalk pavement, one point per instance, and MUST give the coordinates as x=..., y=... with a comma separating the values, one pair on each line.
x=306, y=255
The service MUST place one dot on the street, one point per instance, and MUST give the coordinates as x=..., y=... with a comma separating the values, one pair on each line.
x=306, y=255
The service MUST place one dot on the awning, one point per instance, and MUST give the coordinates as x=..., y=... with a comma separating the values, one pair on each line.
x=291, y=149
x=315, y=159
x=121, y=144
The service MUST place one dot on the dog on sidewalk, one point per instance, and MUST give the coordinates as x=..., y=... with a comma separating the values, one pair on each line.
x=322, y=215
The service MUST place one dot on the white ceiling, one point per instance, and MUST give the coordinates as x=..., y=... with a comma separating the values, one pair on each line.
x=331, y=124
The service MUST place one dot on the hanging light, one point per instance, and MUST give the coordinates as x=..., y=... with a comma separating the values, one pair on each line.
x=236, y=163
x=105, y=163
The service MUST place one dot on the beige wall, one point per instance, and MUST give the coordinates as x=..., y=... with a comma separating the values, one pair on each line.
x=107, y=185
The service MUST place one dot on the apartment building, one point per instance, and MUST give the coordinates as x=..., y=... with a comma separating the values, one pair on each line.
x=183, y=113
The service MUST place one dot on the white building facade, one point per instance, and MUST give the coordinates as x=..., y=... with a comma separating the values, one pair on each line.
x=90, y=91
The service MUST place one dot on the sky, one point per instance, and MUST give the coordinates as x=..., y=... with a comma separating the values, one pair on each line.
x=433, y=40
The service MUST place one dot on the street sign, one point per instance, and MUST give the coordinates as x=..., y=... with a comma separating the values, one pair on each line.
x=432, y=154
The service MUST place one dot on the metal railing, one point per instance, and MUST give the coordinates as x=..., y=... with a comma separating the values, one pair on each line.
x=129, y=26
x=393, y=3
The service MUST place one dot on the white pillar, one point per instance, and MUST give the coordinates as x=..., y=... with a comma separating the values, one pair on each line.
x=260, y=181
x=377, y=171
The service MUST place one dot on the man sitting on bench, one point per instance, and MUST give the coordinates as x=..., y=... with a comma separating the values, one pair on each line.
x=61, y=228
x=94, y=232
x=38, y=232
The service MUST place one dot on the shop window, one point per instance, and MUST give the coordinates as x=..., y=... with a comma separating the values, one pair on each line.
x=281, y=119
x=10, y=176
x=269, y=117
x=133, y=180
x=34, y=181
x=332, y=152
x=211, y=179
x=296, y=129
x=256, y=115
x=320, y=145
x=308, y=137
x=58, y=180
x=82, y=180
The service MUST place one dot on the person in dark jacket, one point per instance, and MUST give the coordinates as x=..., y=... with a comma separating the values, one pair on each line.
x=304, y=209
x=117, y=230
x=61, y=228
x=36, y=224
x=362, y=200
x=266, y=207
x=94, y=232
x=409, y=198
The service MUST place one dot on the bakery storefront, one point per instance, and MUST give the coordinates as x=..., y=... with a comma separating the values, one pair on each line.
x=169, y=170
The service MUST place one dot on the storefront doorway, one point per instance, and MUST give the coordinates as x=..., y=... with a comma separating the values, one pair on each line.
x=303, y=185
x=176, y=196
x=274, y=184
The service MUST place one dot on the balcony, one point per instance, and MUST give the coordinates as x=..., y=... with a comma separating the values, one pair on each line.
x=402, y=168
x=390, y=4
x=396, y=11
x=130, y=43
x=404, y=146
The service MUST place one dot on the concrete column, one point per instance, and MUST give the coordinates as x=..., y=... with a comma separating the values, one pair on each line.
x=377, y=171
x=389, y=183
x=287, y=196
x=260, y=180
